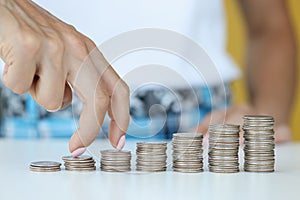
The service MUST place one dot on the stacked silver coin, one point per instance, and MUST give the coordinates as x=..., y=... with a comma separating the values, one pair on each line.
x=115, y=161
x=223, y=148
x=151, y=157
x=45, y=166
x=259, y=143
x=81, y=163
x=187, y=152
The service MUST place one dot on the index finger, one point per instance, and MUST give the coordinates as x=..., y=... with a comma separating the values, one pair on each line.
x=87, y=85
x=118, y=92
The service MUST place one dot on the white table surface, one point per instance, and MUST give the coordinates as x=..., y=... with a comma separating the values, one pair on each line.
x=17, y=182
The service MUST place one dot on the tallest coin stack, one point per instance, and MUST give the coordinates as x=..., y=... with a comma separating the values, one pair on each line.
x=259, y=143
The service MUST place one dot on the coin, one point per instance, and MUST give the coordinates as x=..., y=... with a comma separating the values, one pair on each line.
x=81, y=163
x=259, y=143
x=45, y=166
x=81, y=168
x=187, y=152
x=115, y=161
x=151, y=156
x=223, y=148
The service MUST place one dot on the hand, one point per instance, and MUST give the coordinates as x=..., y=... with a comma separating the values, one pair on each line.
x=234, y=115
x=47, y=57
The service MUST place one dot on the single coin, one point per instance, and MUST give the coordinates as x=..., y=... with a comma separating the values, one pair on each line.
x=46, y=164
x=80, y=158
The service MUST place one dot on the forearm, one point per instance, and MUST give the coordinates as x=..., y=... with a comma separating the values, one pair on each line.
x=271, y=67
x=271, y=58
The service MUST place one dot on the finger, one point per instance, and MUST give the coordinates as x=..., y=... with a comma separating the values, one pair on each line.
x=118, y=109
x=19, y=76
x=67, y=100
x=87, y=85
x=48, y=87
x=18, y=50
x=119, y=93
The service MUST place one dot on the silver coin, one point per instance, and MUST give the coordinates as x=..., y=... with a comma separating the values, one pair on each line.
x=115, y=170
x=259, y=144
x=224, y=171
x=187, y=153
x=187, y=170
x=45, y=164
x=81, y=163
x=223, y=148
x=75, y=162
x=115, y=161
x=80, y=168
x=151, y=144
x=185, y=166
x=151, y=156
x=258, y=117
x=80, y=158
x=114, y=151
x=115, y=167
x=43, y=169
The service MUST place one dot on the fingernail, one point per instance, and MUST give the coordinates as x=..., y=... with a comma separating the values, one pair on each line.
x=55, y=110
x=121, y=143
x=78, y=152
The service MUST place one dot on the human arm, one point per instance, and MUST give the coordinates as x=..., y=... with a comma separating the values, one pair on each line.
x=47, y=57
x=270, y=66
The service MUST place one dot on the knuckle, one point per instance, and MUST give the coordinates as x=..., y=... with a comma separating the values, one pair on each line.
x=28, y=41
x=71, y=28
x=79, y=46
x=77, y=42
x=73, y=37
x=123, y=90
x=88, y=41
x=55, y=44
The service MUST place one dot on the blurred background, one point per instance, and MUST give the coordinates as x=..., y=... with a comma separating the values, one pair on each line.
x=235, y=46
x=27, y=115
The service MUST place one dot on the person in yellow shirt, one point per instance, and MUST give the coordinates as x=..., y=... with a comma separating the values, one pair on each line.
x=271, y=66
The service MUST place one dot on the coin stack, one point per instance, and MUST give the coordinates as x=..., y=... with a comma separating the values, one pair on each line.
x=81, y=163
x=115, y=161
x=259, y=143
x=223, y=148
x=45, y=166
x=187, y=152
x=151, y=157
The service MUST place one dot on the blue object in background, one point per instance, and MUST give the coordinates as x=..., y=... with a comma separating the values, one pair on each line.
x=31, y=125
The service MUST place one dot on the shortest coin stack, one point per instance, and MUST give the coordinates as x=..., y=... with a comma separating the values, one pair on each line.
x=259, y=143
x=45, y=166
x=223, y=148
x=151, y=157
x=115, y=161
x=81, y=163
x=187, y=152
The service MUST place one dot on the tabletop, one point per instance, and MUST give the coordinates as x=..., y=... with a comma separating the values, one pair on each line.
x=18, y=182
